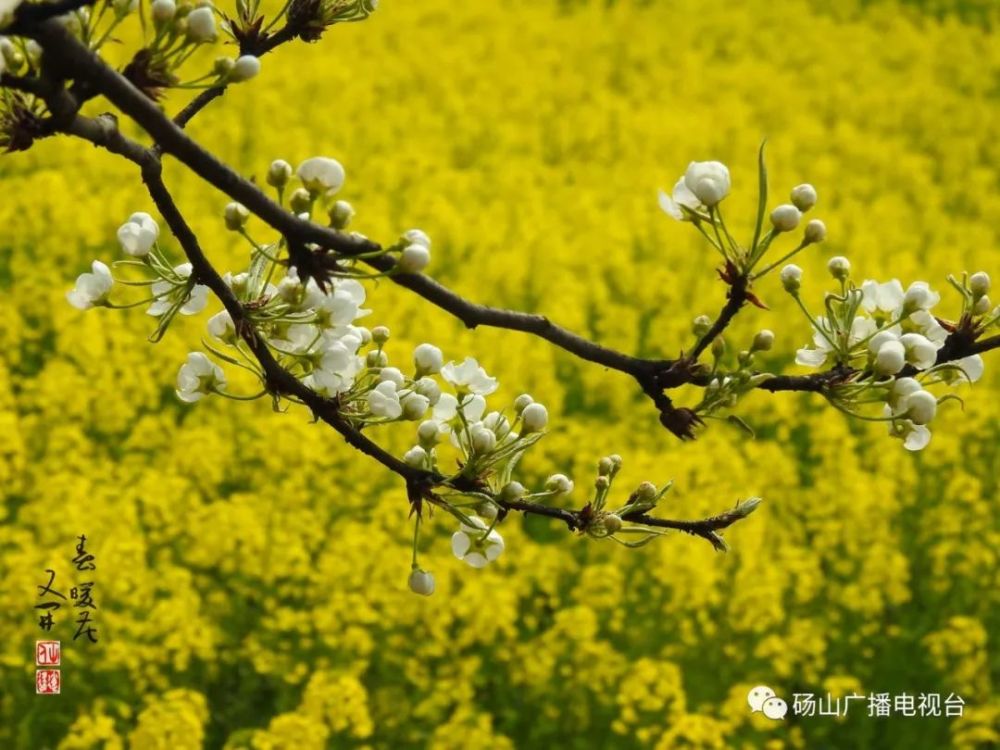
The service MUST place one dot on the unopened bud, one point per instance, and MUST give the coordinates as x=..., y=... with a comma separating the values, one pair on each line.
x=341, y=213
x=804, y=196
x=718, y=347
x=376, y=359
x=815, y=232
x=981, y=306
x=279, y=173
x=300, y=201
x=612, y=523
x=701, y=325
x=602, y=483
x=763, y=341
x=645, y=492
x=979, y=284
x=604, y=466
x=512, y=491
x=380, y=334
x=791, y=278
x=839, y=267
x=785, y=217
x=236, y=216
x=521, y=402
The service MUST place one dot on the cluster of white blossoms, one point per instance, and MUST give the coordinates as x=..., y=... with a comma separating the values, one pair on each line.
x=313, y=330
x=892, y=338
x=885, y=338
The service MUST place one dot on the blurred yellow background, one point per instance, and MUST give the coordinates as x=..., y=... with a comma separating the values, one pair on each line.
x=252, y=568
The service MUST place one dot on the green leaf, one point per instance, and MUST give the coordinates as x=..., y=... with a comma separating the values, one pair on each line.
x=761, y=198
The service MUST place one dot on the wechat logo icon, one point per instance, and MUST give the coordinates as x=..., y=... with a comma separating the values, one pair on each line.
x=762, y=699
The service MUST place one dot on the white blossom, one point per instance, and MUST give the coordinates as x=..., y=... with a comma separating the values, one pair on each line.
x=393, y=374
x=884, y=298
x=483, y=439
x=92, y=289
x=861, y=328
x=919, y=296
x=474, y=546
x=221, y=326
x=138, y=234
x=708, y=181
x=383, y=401
x=163, y=11
x=198, y=377
x=469, y=377
x=167, y=293
x=429, y=389
x=920, y=351
x=681, y=198
x=321, y=175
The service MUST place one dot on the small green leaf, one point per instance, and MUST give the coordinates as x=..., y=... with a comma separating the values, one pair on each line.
x=761, y=198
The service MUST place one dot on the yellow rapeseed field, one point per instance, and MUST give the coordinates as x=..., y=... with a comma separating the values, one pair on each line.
x=252, y=568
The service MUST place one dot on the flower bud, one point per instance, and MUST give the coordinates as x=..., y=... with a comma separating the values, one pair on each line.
x=839, y=267
x=521, y=402
x=428, y=432
x=602, y=483
x=616, y=462
x=791, y=278
x=223, y=66
x=981, y=306
x=416, y=237
x=163, y=12
x=428, y=359
x=414, y=406
x=421, y=582
x=429, y=389
x=804, y=196
x=815, y=232
x=341, y=213
x=763, y=341
x=921, y=407
x=321, y=175
x=604, y=466
x=701, y=325
x=300, y=201
x=512, y=491
x=279, y=173
x=890, y=358
x=487, y=509
x=979, y=284
x=708, y=180
x=612, y=523
x=415, y=457
x=559, y=484
x=718, y=347
x=414, y=259
x=376, y=359
x=201, y=25
x=535, y=417
x=483, y=439
x=392, y=374
x=645, y=492
x=380, y=334
x=245, y=68
x=876, y=341
x=236, y=216
x=785, y=217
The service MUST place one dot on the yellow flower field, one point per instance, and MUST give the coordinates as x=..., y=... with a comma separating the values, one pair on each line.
x=252, y=568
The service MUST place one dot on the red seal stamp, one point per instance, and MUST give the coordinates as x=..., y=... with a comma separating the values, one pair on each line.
x=47, y=653
x=47, y=681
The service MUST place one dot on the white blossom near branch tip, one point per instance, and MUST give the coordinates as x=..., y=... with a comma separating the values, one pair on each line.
x=321, y=175
x=469, y=377
x=167, y=292
x=469, y=545
x=92, y=289
x=682, y=197
x=421, y=582
x=198, y=377
x=138, y=234
x=708, y=181
x=383, y=401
